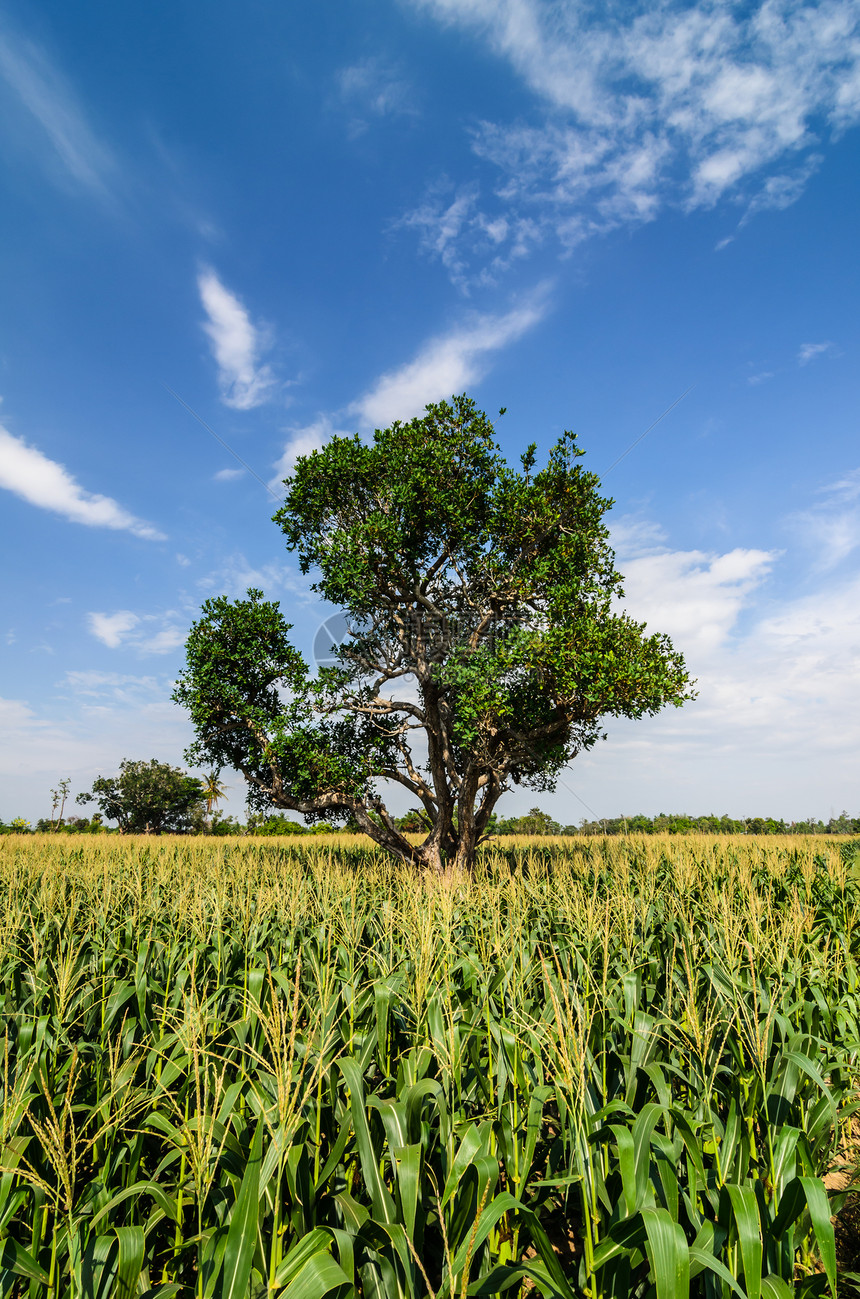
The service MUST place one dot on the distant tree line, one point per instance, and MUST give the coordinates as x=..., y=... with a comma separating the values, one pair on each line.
x=155, y=798
x=675, y=823
x=536, y=822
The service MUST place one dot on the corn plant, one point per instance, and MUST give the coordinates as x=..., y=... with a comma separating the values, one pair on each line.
x=594, y=1068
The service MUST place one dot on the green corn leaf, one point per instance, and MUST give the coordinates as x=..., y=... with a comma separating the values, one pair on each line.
x=537, y=1101
x=702, y=1259
x=14, y=1258
x=624, y=1236
x=242, y=1234
x=383, y=1205
x=773, y=1287
x=491, y=1214
x=164, y=1201
x=791, y=1204
x=132, y=1244
x=627, y=1167
x=319, y=1276
x=563, y=1289
x=415, y=1099
x=803, y=1062
x=475, y=1141
x=744, y=1208
x=819, y=1212
x=668, y=1254
x=394, y=1120
x=318, y=1241
x=502, y=1277
x=643, y=1127
x=407, y=1162
x=784, y=1145
x=336, y=1152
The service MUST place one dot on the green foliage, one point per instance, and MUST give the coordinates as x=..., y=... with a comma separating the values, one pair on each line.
x=491, y=592
x=535, y=822
x=251, y=1067
x=680, y=823
x=148, y=797
x=72, y=825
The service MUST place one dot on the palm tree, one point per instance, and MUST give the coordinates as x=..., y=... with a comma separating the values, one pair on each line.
x=213, y=791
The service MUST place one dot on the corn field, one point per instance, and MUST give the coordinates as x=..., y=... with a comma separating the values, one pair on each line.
x=602, y=1068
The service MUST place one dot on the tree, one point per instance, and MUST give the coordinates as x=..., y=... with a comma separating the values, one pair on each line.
x=484, y=642
x=213, y=791
x=148, y=798
x=58, y=802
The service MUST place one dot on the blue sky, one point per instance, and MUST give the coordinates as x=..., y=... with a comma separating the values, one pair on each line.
x=313, y=218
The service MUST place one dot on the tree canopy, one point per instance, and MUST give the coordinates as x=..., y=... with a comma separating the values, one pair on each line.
x=485, y=642
x=148, y=798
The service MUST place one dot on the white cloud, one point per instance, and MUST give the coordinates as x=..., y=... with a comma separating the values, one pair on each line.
x=112, y=628
x=236, y=574
x=761, y=377
x=115, y=684
x=776, y=725
x=809, y=351
x=39, y=87
x=236, y=345
x=227, y=475
x=447, y=364
x=301, y=442
x=645, y=106
x=40, y=481
x=831, y=527
x=694, y=596
x=844, y=489
x=374, y=87
x=128, y=630
x=633, y=537
x=90, y=726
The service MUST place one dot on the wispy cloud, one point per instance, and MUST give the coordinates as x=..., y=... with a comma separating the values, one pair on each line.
x=809, y=351
x=68, y=144
x=28, y=473
x=301, y=442
x=236, y=345
x=236, y=574
x=844, y=489
x=374, y=88
x=453, y=227
x=227, y=475
x=447, y=364
x=831, y=526
x=128, y=630
x=644, y=107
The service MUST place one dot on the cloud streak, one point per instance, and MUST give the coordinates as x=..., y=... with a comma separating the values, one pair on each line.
x=447, y=364
x=50, y=103
x=809, y=351
x=644, y=106
x=236, y=345
x=28, y=473
x=374, y=88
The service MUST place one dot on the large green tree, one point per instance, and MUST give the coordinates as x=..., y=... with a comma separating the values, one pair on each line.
x=484, y=643
x=148, y=798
